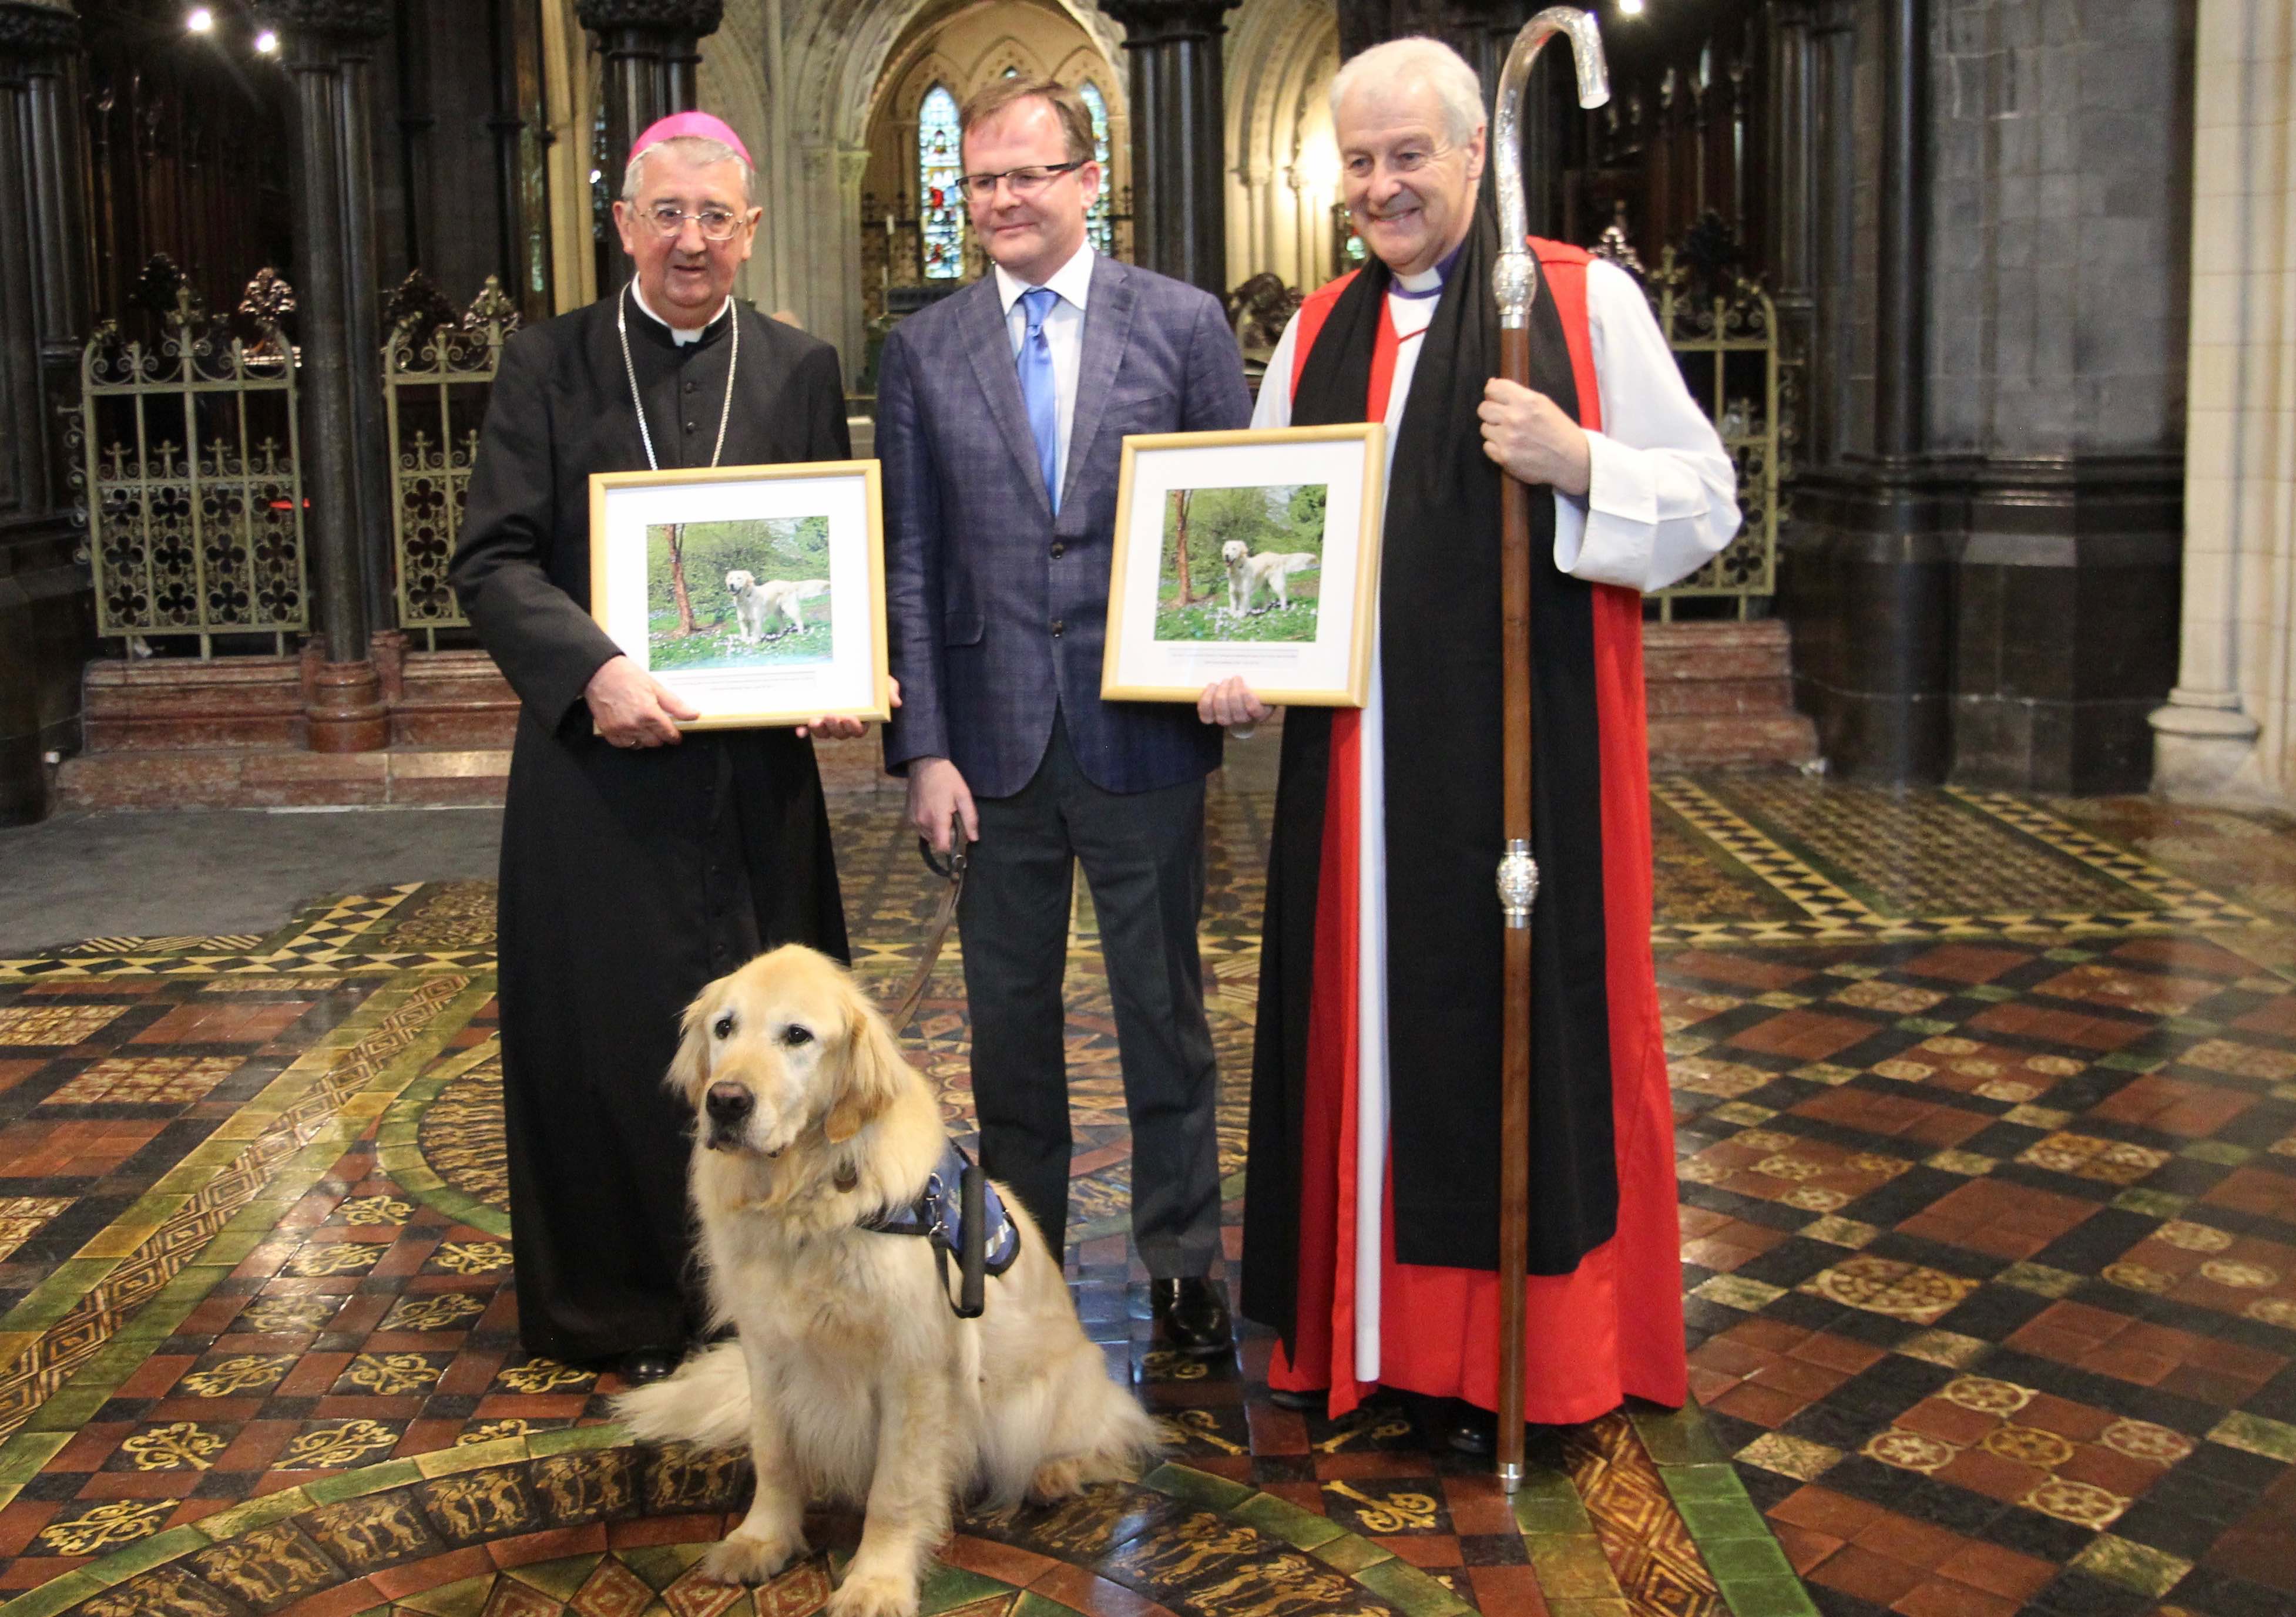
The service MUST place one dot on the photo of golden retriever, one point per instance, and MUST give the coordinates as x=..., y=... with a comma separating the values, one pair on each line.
x=756, y=606
x=1271, y=570
x=851, y=1377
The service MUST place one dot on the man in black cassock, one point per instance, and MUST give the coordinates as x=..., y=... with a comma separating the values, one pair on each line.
x=637, y=863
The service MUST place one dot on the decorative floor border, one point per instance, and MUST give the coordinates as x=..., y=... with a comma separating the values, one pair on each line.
x=1832, y=914
x=277, y=1552
x=326, y=940
x=88, y=1325
x=399, y=1145
x=1825, y=902
x=2182, y=903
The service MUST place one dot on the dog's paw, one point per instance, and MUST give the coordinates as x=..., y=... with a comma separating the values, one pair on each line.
x=744, y=1559
x=874, y=1594
x=1060, y=1479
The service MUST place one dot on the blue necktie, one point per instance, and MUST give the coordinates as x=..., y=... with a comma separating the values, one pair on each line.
x=1035, y=360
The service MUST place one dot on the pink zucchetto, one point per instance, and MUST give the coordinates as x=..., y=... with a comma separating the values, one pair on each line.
x=700, y=124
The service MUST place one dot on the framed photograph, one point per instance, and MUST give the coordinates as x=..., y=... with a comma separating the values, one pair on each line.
x=1247, y=553
x=756, y=592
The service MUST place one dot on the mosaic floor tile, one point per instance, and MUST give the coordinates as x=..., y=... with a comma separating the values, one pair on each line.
x=1987, y=1114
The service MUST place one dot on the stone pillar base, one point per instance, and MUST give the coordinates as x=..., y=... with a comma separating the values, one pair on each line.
x=344, y=710
x=2204, y=751
x=1994, y=622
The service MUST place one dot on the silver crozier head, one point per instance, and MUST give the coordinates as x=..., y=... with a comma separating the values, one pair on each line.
x=1511, y=281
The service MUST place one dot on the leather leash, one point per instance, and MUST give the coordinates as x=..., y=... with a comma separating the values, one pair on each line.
x=953, y=874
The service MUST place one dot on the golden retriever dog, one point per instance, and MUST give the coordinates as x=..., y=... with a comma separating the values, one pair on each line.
x=1271, y=570
x=756, y=605
x=851, y=1378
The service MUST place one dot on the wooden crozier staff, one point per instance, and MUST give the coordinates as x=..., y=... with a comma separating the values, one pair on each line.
x=1512, y=284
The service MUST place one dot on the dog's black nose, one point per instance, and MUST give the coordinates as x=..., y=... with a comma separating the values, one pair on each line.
x=728, y=1104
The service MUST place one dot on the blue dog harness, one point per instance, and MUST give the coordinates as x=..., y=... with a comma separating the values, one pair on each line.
x=961, y=1212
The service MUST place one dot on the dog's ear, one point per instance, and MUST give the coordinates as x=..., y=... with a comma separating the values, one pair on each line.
x=874, y=1072
x=689, y=1069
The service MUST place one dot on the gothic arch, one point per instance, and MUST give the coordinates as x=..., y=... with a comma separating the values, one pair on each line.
x=1006, y=54
x=917, y=80
x=1281, y=182
x=964, y=46
x=1084, y=63
x=839, y=56
x=805, y=77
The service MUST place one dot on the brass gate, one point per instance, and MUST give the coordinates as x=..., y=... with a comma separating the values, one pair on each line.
x=1727, y=343
x=436, y=376
x=192, y=475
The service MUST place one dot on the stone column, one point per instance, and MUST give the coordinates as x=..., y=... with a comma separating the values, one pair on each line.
x=47, y=608
x=1981, y=565
x=506, y=125
x=1311, y=227
x=651, y=47
x=1866, y=572
x=344, y=709
x=62, y=261
x=363, y=326
x=2224, y=733
x=1902, y=244
x=1179, y=210
x=1792, y=209
x=849, y=318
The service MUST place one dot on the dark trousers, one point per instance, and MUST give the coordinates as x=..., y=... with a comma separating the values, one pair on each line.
x=1142, y=854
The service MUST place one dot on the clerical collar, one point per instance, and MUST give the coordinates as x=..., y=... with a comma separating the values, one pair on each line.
x=637, y=401
x=679, y=334
x=1427, y=283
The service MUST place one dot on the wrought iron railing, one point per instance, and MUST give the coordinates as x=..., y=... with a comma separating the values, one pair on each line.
x=1727, y=343
x=195, y=491
x=191, y=475
x=437, y=373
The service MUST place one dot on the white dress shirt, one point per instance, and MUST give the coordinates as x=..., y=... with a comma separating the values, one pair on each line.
x=1663, y=498
x=1063, y=334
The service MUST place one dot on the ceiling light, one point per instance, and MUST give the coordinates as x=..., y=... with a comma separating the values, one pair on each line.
x=267, y=43
x=1630, y=8
x=200, y=20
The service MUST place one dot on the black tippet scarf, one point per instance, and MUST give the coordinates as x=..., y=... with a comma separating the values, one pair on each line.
x=1442, y=662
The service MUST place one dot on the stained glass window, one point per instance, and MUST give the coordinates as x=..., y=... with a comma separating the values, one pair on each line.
x=1096, y=223
x=940, y=205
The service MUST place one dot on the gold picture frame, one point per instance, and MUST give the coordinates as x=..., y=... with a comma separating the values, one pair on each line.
x=1291, y=610
x=754, y=593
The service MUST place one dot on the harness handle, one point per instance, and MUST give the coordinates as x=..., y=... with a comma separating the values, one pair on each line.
x=972, y=1259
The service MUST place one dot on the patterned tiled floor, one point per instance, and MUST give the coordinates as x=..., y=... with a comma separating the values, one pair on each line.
x=1987, y=1116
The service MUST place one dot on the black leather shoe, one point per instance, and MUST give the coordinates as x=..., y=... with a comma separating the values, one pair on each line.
x=642, y=1365
x=1473, y=1431
x=1191, y=1315
x=1285, y=1398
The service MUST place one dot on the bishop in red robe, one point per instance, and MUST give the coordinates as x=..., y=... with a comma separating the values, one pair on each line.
x=1371, y=1207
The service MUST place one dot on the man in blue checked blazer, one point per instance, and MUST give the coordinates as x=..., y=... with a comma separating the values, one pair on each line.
x=1000, y=417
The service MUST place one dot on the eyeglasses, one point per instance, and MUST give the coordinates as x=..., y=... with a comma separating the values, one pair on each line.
x=1024, y=181
x=716, y=223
